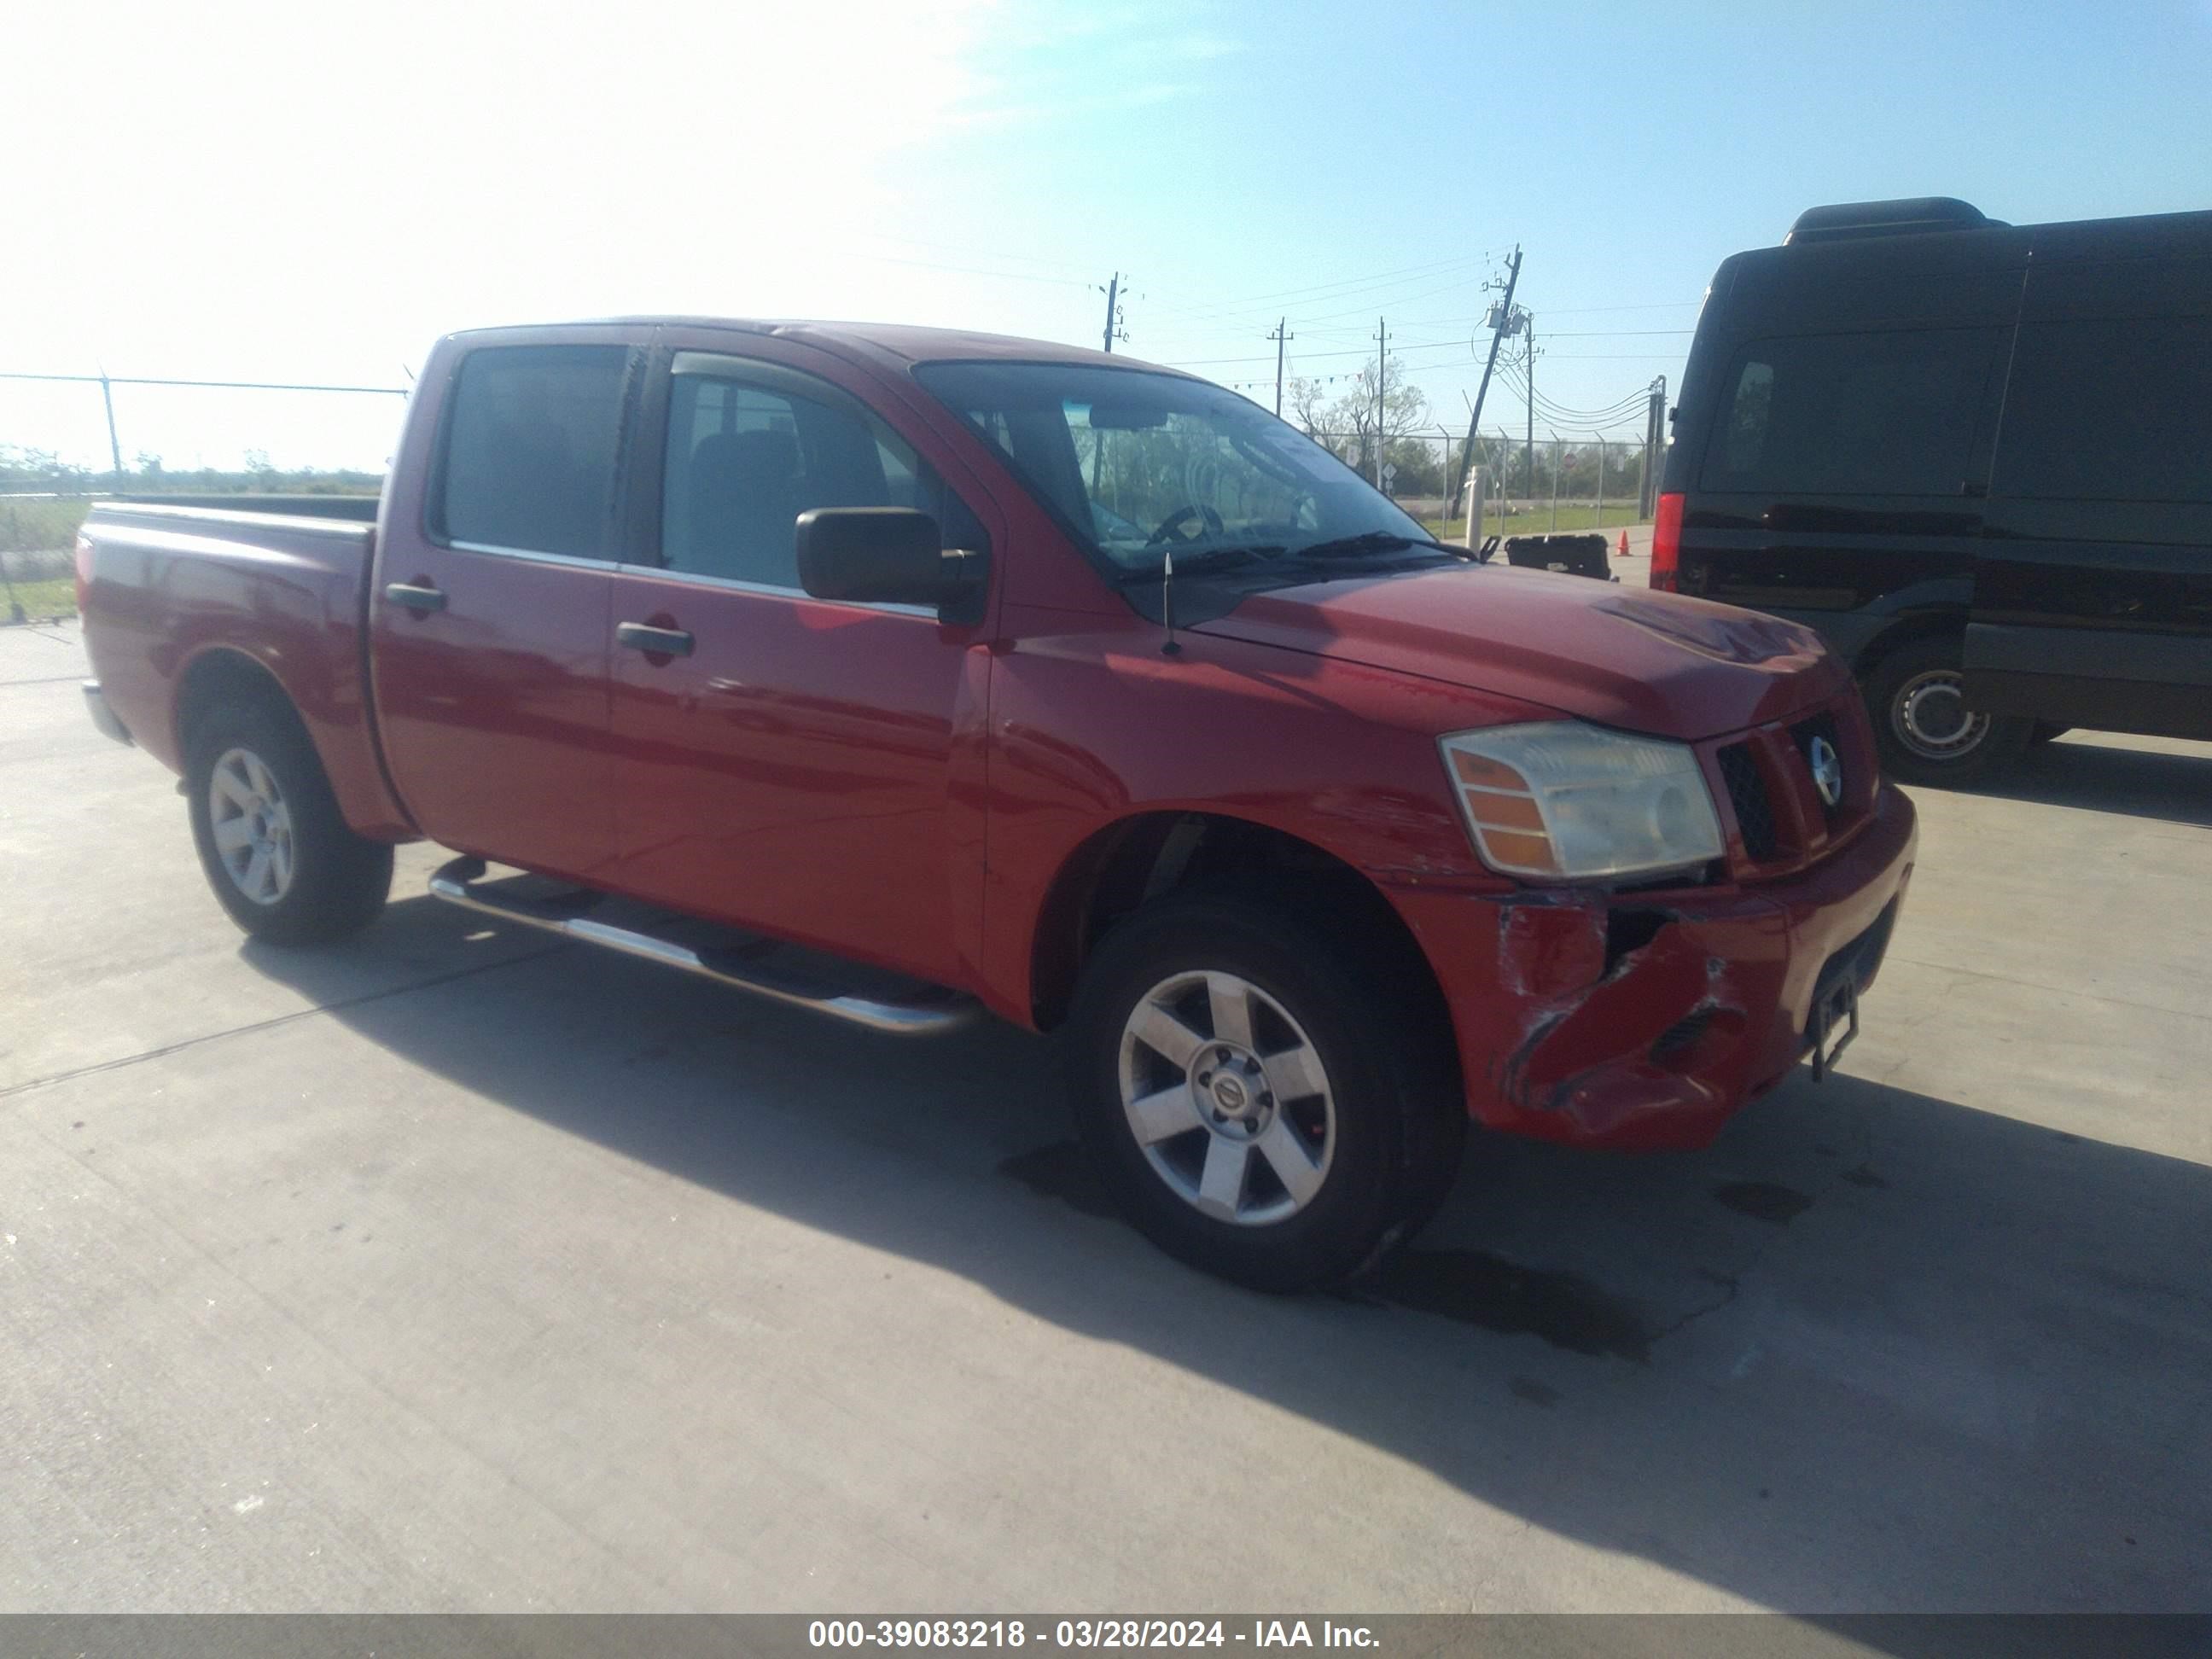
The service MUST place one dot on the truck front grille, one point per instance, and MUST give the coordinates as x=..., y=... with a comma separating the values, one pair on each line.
x=1747, y=789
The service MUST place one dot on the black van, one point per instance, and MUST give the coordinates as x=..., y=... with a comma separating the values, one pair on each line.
x=1977, y=457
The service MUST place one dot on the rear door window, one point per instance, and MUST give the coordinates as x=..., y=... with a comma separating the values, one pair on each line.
x=1888, y=414
x=532, y=442
x=2116, y=410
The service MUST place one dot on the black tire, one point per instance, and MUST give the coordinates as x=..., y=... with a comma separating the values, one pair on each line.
x=338, y=880
x=1400, y=1123
x=1925, y=734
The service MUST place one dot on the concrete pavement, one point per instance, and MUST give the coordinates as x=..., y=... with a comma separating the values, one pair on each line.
x=459, y=1269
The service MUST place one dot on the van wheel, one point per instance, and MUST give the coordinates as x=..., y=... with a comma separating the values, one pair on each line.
x=1923, y=727
x=275, y=847
x=1256, y=1104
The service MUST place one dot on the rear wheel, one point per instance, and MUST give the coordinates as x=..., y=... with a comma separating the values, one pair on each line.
x=276, y=851
x=1915, y=697
x=1257, y=1104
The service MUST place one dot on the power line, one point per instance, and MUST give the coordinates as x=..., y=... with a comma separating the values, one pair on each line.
x=1403, y=298
x=1581, y=311
x=229, y=386
x=967, y=270
x=974, y=252
x=1520, y=380
x=1375, y=278
x=1360, y=351
x=1367, y=294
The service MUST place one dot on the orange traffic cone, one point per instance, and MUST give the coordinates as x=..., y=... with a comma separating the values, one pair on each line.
x=1621, y=552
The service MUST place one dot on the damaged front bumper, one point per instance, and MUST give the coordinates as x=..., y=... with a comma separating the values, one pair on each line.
x=1646, y=1019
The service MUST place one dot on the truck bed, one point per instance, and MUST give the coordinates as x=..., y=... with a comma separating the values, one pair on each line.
x=172, y=592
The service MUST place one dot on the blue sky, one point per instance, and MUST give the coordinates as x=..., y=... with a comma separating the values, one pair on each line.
x=297, y=192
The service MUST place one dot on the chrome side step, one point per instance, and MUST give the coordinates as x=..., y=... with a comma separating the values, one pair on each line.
x=929, y=1013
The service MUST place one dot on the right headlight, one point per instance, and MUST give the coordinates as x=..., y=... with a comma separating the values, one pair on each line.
x=1576, y=802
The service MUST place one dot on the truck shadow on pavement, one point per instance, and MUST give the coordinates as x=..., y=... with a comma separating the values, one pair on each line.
x=2107, y=777
x=1871, y=1352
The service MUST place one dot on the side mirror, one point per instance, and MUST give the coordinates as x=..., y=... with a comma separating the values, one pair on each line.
x=878, y=556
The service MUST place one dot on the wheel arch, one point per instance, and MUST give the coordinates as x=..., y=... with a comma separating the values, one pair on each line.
x=1908, y=629
x=223, y=674
x=224, y=671
x=1129, y=863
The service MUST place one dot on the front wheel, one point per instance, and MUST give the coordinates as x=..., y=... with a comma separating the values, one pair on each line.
x=1915, y=697
x=1256, y=1104
x=277, y=850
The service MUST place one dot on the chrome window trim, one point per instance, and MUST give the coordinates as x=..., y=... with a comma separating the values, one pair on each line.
x=530, y=553
x=775, y=591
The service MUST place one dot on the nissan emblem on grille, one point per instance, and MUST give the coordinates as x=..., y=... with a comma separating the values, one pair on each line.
x=1827, y=768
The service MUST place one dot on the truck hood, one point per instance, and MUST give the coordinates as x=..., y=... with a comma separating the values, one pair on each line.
x=1623, y=657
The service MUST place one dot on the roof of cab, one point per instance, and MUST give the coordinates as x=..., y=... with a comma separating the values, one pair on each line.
x=896, y=342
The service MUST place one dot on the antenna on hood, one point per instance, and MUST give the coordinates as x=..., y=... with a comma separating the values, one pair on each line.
x=1167, y=601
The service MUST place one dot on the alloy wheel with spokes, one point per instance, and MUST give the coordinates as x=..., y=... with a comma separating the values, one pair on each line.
x=252, y=824
x=276, y=848
x=1265, y=1090
x=1228, y=1098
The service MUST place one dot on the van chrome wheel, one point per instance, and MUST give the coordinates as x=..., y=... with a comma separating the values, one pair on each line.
x=1228, y=1098
x=252, y=823
x=1929, y=716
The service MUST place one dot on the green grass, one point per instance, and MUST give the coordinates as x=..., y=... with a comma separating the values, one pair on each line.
x=42, y=600
x=1580, y=515
x=35, y=526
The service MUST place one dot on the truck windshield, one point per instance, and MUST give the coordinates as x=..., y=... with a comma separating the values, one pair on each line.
x=1135, y=464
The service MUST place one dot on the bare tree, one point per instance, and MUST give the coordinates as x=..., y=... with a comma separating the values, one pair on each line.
x=1404, y=411
x=1309, y=406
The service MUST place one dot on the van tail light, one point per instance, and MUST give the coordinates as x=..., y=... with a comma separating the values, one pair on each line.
x=1667, y=543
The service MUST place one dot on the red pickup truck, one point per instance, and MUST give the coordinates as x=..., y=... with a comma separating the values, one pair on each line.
x=903, y=674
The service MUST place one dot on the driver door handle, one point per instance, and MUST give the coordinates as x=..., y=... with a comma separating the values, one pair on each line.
x=418, y=598
x=653, y=641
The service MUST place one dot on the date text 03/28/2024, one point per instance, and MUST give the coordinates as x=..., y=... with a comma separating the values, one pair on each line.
x=1083, y=1633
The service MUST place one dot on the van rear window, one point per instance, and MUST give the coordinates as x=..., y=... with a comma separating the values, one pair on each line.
x=1850, y=414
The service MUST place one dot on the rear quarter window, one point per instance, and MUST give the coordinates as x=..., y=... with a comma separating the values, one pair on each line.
x=1889, y=413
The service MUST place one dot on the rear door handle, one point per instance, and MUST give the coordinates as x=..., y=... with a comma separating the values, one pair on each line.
x=421, y=600
x=653, y=641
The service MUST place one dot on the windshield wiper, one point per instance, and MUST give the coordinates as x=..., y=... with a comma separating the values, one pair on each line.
x=1370, y=541
x=1203, y=560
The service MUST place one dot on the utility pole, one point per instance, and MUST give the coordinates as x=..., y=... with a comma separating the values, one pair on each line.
x=1529, y=329
x=1500, y=318
x=1382, y=369
x=1281, y=337
x=1556, y=455
x=114, y=448
x=1600, y=481
x=1654, y=427
x=1113, y=316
